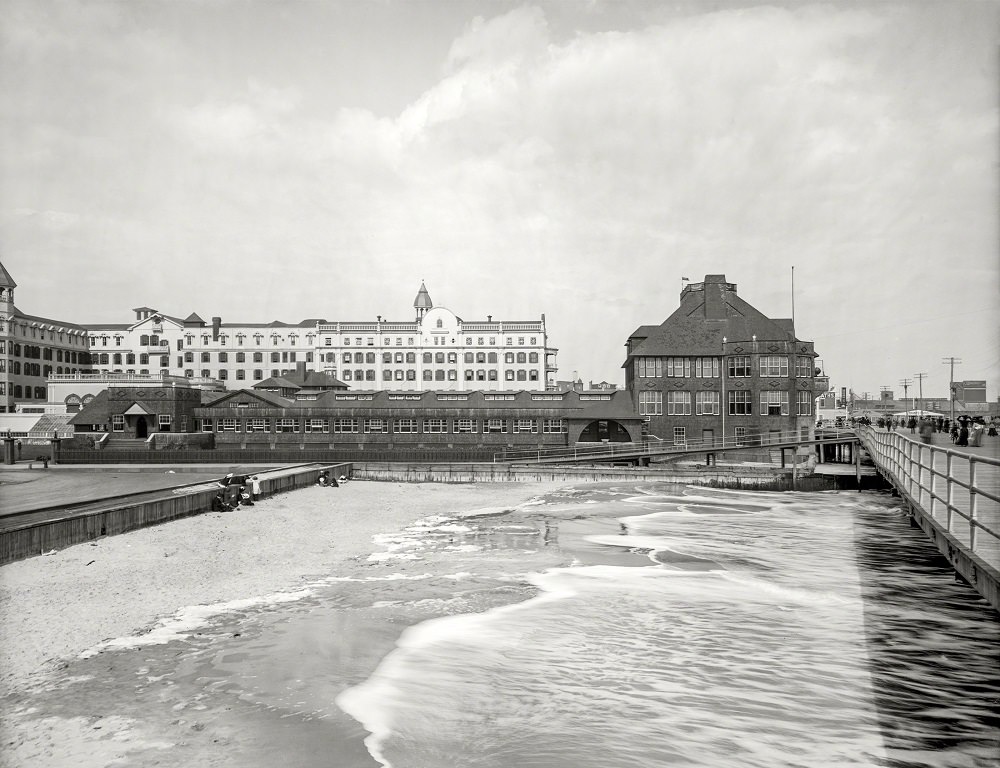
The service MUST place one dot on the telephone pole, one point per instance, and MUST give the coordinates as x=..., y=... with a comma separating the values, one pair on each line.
x=951, y=381
x=905, y=383
x=920, y=379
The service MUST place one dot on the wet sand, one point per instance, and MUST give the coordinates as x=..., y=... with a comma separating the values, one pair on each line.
x=56, y=608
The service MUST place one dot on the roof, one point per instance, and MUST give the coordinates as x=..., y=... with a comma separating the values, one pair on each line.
x=709, y=312
x=6, y=281
x=96, y=411
x=19, y=315
x=276, y=382
x=423, y=300
x=603, y=405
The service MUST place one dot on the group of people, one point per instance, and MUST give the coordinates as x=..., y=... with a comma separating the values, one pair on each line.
x=236, y=491
x=963, y=431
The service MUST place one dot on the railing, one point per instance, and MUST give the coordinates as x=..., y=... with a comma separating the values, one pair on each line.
x=960, y=491
x=656, y=446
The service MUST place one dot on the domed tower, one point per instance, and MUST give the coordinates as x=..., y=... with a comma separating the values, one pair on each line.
x=423, y=302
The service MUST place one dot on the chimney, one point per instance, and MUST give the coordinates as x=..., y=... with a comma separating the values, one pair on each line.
x=216, y=325
x=300, y=370
x=715, y=301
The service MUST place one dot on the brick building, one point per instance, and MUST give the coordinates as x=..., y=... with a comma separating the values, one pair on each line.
x=718, y=367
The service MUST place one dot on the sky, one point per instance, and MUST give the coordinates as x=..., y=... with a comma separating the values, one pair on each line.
x=291, y=159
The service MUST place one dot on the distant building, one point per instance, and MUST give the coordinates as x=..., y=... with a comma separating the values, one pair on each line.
x=436, y=350
x=31, y=349
x=718, y=367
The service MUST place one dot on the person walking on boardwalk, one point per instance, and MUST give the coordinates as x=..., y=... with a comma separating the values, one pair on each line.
x=926, y=430
x=963, y=435
x=912, y=424
x=254, y=488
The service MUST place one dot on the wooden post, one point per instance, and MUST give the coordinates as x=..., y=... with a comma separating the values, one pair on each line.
x=857, y=464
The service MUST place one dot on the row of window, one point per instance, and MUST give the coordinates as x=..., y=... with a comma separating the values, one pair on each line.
x=480, y=340
x=153, y=340
x=40, y=353
x=371, y=425
x=439, y=374
x=429, y=358
x=738, y=366
x=39, y=333
x=33, y=369
x=708, y=403
x=163, y=420
x=16, y=390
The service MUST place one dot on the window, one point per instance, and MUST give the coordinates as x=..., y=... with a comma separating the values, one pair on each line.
x=439, y=375
x=680, y=435
x=405, y=426
x=508, y=358
x=435, y=426
x=258, y=374
x=532, y=375
x=428, y=358
x=470, y=375
x=452, y=358
x=241, y=357
x=286, y=425
x=439, y=358
x=258, y=425
x=223, y=357
x=650, y=403
x=376, y=426
x=143, y=359
x=369, y=358
x=532, y=357
x=525, y=425
x=554, y=426
x=706, y=367
x=773, y=365
x=206, y=357
x=739, y=404
x=347, y=357
x=258, y=357
x=464, y=426
x=316, y=425
x=739, y=366
x=804, y=401
x=205, y=373
x=428, y=375
x=741, y=435
x=678, y=403
x=387, y=357
x=707, y=403
x=411, y=375
x=241, y=374
x=648, y=367
x=117, y=422
x=774, y=403
x=206, y=425
x=803, y=366
x=345, y=426
x=522, y=358
x=678, y=367
x=369, y=375
x=223, y=374
x=494, y=425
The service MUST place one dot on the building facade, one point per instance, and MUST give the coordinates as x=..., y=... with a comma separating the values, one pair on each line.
x=437, y=350
x=31, y=349
x=718, y=368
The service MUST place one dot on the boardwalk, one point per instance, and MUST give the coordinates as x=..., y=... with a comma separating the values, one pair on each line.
x=958, y=488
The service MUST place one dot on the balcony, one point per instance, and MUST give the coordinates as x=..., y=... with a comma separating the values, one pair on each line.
x=821, y=384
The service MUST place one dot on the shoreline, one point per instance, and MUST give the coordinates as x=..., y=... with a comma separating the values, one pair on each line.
x=53, y=608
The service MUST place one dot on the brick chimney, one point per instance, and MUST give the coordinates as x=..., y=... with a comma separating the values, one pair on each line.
x=216, y=325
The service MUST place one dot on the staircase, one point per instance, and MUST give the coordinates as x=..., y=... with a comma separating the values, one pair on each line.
x=126, y=444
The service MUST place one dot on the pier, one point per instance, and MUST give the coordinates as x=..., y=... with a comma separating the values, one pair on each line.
x=953, y=496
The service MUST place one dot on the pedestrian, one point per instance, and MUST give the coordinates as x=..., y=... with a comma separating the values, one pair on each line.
x=926, y=430
x=992, y=429
x=912, y=424
x=963, y=434
x=976, y=437
x=18, y=450
x=254, y=488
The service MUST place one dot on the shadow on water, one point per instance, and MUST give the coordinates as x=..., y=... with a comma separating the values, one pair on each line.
x=916, y=617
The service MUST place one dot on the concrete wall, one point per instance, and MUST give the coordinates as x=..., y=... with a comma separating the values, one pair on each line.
x=120, y=517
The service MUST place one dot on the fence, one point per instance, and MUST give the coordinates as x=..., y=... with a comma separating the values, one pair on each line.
x=959, y=491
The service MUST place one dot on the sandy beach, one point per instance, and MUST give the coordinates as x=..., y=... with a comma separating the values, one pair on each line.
x=55, y=607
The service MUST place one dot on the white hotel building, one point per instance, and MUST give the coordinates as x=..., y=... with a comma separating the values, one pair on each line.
x=435, y=351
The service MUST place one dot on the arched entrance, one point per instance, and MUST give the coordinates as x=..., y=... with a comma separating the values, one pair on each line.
x=604, y=431
x=141, y=427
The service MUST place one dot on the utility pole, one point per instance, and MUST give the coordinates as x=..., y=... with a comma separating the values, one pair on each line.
x=920, y=379
x=951, y=381
x=905, y=383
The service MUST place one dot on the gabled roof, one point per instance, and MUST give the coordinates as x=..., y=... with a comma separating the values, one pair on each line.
x=243, y=395
x=94, y=412
x=193, y=318
x=709, y=312
x=138, y=409
x=275, y=382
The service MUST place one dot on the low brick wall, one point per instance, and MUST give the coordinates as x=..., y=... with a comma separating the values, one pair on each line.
x=36, y=538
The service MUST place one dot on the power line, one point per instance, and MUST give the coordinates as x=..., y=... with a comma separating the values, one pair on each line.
x=920, y=380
